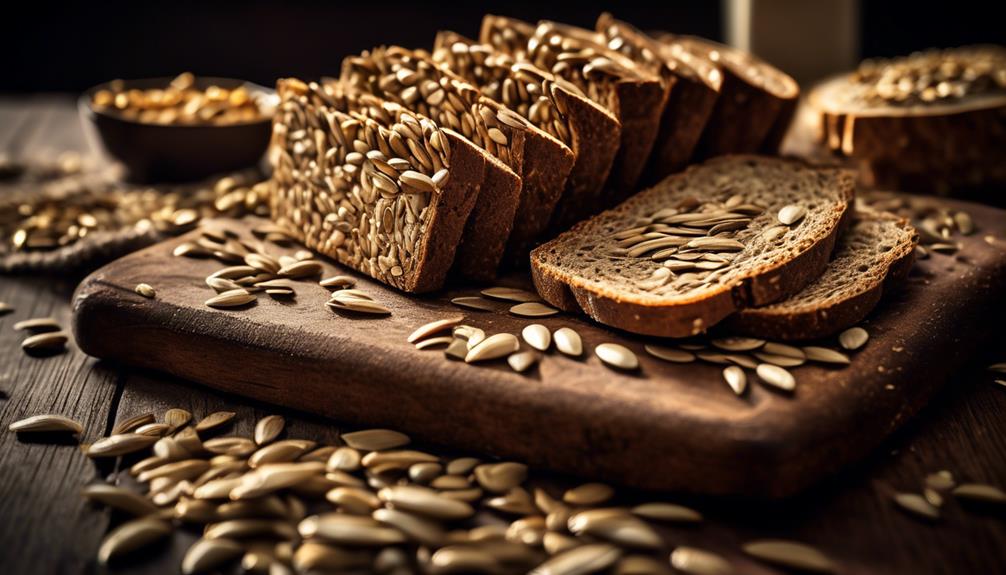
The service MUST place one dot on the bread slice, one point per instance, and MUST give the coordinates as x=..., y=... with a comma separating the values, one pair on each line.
x=410, y=78
x=877, y=251
x=636, y=97
x=678, y=258
x=756, y=104
x=550, y=103
x=696, y=87
x=944, y=131
x=330, y=157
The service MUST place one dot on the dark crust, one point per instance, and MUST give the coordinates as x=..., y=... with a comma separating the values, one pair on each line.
x=823, y=322
x=923, y=153
x=695, y=317
x=488, y=227
x=596, y=134
x=746, y=118
x=640, y=104
x=546, y=165
x=453, y=208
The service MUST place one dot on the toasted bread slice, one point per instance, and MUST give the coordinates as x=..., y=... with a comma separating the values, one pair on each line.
x=680, y=257
x=550, y=103
x=410, y=78
x=876, y=252
x=330, y=155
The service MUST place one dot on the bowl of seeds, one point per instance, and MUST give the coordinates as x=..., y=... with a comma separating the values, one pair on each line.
x=179, y=129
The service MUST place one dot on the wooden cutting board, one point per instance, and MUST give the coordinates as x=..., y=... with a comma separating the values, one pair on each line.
x=666, y=426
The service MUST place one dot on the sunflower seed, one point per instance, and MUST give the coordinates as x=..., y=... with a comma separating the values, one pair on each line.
x=791, y=214
x=616, y=526
x=268, y=428
x=917, y=505
x=176, y=417
x=537, y=336
x=517, y=501
x=460, y=559
x=522, y=361
x=425, y=501
x=941, y=480
x=272, y=477
x=980, y=492
x=825, y=355
x=231, y=298
x=344, y=459
x=131, y=536
x=533, y=309
x=998, y=367
x=493, y=347
x=615, y=355
x=337, y=282
x=358, y=305
x=46, y=423
x=300, y=269
x=221, y=285
x=435, y=341
x=588, y=494
x=670, y=354
x=474, y=302
x=790, y=554
x=154, y=429
x=243, y=528
x=375, y=439
x=38, y=324
x=699, y=562
x=214, y=420
x=419, y=529
x=589, y=558
x=145, y=290
x=457, y=350
x=773, y=348
x=312, y=556
x=500, y=477
x=45, y=341
x=176, y=471
x=568, y=341
x=234, y=446
x=853, y=338
x=425, y=331
x=511, y=294
x=667, y=512
x=776, y=376
x=353, y=500
x=280, y=452
x=208, y=554
x=132, y=423
x=778, y=360
x=738, y=343
x=736, y=379
x=119, y=498
x=344, y=529
x=116, y=445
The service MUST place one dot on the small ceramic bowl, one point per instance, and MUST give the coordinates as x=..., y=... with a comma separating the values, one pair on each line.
x=152, y=152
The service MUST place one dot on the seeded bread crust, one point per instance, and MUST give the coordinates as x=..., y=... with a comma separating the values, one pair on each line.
x=691, y=101
x=685, y=315
x=756, y=104
x=450, y=208
x=874, y=255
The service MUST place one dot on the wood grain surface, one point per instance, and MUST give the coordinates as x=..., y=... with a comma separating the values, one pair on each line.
x=45, y=528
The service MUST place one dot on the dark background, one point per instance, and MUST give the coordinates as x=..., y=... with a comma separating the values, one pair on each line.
x=50, y=46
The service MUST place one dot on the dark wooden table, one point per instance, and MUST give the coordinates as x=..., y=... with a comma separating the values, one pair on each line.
x=45, y=526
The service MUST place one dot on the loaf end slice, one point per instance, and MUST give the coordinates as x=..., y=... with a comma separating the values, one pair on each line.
x=678, y=258
x=876, y=252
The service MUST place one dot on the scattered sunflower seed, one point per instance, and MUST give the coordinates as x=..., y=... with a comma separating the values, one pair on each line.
x=425, y=331
x=738, y=343
x=46, y=423
x=146, y=290
x=493, y=347
x=776, y=376
x=119, y=498
x=268, y=428
x=568, y=341
x=917, y=505
x=736, y=379
x=667, y=512
x=615, y=355
x=980, y=492
x=523, y=360
x=375, y=439
x=537, y=336
x=214, y=420
x=132, y=423
x=588, y=494
x=38, y=324
x=231, y=298
x=131, y=536
x=51, y=340
x=511, y=294
x=589, y=558
x=208, y=554
x=337, y=282
x=790, y=554
x=435, y=341
x=122, y=444
x=474, y=302
x=826, y=355
x=670, y=354
x=853, y=338
x=699, y=562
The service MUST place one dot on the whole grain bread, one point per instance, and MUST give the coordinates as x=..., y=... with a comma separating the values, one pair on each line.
x=756, y=104
x=873, y=255
x=411, y=79
x=550, y=103
x=943, y=131
x=678, y=258
x=696, y=87
x=635, y=96
x=326, y=153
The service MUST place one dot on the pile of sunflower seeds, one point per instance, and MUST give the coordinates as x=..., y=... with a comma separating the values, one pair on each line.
x=936, y=223
x=373, y=503
x=255, y=268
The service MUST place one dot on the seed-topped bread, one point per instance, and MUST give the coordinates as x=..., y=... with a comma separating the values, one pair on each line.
x=636, y=97
x=678, y=258
x=876, y=252
x=933, y=121
x=696, y=87
x=550, y=103
x=410, y=78
x=344, y=189
x=756, y=104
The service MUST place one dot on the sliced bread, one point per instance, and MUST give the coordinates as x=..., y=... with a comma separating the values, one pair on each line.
x=678, y=258
x=411, y=79
x=875, y=252
x=697, y=84
x=756, y=104
x=331, y=157
x=550, y=103
x=635, y=96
